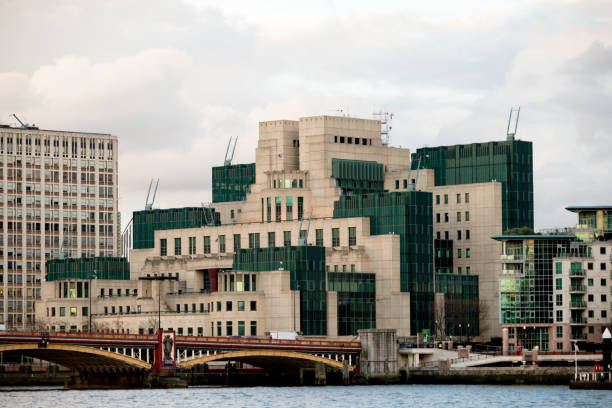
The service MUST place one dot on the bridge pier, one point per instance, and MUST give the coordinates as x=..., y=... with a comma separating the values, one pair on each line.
x=320, y=374
x=109, y=378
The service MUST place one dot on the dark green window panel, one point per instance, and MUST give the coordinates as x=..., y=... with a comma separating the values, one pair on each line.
x=232, y=183
x=509, y=162
x=306, y=265
x=356, y=301
x=85, y=268
x=409, y=215
x=148, y=221
x=358, y=177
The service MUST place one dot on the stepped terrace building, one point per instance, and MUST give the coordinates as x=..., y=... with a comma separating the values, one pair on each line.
x=555, y=289
x=328, y=232
x=58, y=197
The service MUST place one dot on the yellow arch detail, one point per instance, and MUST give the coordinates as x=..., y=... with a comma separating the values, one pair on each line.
x=78, y=349
x=262, y=353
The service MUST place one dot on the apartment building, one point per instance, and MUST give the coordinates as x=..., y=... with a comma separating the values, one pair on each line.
x=58, y=198
x=555, y=289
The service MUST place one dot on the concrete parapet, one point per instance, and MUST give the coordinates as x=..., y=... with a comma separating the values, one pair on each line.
x=444, y=364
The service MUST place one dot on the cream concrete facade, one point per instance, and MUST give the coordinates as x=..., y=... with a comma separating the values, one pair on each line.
x=58, y=194
x=293, y=182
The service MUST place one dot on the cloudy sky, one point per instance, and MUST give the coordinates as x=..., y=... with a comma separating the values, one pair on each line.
x=174, y=80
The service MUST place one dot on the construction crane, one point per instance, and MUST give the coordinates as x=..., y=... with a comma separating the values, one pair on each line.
x=302, y=240
x=23, y=125
x=513, y=121
x=228, y=159
x=149, y=205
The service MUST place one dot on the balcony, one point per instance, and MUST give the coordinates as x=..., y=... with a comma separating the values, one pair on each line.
x=578, y=321
x=577, y=288
x=578, y=304
x=578, y=272
x=578, y=336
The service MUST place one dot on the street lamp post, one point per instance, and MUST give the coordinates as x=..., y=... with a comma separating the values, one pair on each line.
x=91, y=277
x=460, y=333
x=468, y=332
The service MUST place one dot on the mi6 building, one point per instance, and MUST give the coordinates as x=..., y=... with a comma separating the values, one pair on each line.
x=328, y=232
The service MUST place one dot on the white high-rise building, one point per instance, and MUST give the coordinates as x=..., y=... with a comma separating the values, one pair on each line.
x=58, y=198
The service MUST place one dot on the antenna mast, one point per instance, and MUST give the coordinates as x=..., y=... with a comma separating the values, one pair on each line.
x=149, y=205
x=228, y=159
x=385, y=125
x=513, y=122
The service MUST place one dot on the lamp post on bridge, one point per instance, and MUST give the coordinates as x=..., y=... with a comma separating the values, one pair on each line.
x=91, y=278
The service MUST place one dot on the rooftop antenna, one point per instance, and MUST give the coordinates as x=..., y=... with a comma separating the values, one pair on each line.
x=385, y=125
x=23, y=125
x=513, y=122
x=412, y=186
x=149, y=205
x=228, y=159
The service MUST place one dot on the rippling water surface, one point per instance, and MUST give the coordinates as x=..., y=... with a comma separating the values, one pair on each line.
x=318, y=397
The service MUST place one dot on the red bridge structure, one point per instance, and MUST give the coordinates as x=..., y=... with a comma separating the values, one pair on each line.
x=130, y=359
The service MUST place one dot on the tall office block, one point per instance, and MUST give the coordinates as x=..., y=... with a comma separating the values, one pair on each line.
x=58, y=198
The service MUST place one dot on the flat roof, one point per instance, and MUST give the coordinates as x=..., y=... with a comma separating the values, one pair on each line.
x=521, y=237
x=36, y=129
x=577, y=208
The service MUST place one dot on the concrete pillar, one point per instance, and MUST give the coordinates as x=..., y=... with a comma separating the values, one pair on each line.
x=346, y=379
x=320, y=374
x=505, y=341
x=379, y=352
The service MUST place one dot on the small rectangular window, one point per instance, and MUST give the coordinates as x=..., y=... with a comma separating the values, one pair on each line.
x=352, y=231
x=467, y=198
x=437, y=199
x=177, y=246
x=445, y=198
x=287, y=238
x=163, y=247
x=207, y=244
x=319, y=237
x=271, y=239
x=335, y=237
x=458, y=198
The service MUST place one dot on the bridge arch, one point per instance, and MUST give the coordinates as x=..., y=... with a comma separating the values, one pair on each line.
x=76, y=357
x=257, y=357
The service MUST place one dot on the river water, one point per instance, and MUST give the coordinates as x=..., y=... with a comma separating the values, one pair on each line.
x=317, y=397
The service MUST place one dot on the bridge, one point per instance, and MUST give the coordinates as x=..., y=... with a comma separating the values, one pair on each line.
x=100, y=357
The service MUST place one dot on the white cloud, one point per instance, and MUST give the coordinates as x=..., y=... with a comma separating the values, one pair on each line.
x=173, y=80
